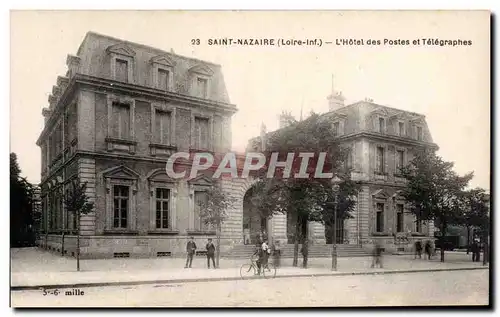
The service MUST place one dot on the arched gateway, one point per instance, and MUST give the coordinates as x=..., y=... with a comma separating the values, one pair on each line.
x=245, y=225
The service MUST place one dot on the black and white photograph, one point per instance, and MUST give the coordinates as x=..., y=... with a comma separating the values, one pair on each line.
x=250, y=158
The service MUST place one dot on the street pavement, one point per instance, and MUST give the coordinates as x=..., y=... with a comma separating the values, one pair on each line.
x=445, y=288
x=33, y=267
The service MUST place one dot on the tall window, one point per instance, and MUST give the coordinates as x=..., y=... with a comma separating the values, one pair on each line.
x=162, y=210
x=202, y=87
x=200, y=197
x=201, y=133
x=379, y=226
x=401, y=127
x=380, y=168
x=399, y=161
x=419, y=133
x=399, y=218
x=381, y=125
x=162, y=127
x=336, y=129
x=120, y=206
x=121, y=70
x=121, y=121
x=163, y=79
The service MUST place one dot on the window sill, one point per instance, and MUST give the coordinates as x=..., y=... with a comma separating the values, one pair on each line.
x=120, y=232
x=163, y=232
x=200, y=233
x=381, y=234
x=201, y=150
x=121, y=145
x=157, y=149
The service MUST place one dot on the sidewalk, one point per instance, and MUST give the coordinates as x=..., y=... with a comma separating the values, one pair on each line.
x=33, y=269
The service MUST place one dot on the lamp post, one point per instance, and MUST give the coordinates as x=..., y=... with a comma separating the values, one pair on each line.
x=335, y=187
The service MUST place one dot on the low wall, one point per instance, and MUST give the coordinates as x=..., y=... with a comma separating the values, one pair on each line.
x=98, y=247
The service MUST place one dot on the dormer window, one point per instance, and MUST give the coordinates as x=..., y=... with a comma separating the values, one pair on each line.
x=419, y=134
x=381, y=125
x=163, y=82
x=401, y=128
x=162, y=72
x=202, y=85
x=122, y=62
x=121, y=70
x=201, y=76
x=336, y=128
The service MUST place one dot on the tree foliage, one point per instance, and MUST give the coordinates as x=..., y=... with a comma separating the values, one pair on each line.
x=309, y=198
x=434, y=190
x=22, y=218
x=475, y=210
x=76, y=199
x=213, y=211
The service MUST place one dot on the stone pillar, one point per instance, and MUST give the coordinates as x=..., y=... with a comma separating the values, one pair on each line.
x=86, y=172
x=316, y=232
x=278, y=227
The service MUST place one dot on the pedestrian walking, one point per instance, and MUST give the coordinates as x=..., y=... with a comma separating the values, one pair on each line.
x=476, y=251
x=190, y=249
x=210, y=253
x=377, y=255
x=277, y=253
x=428, y=249
x=418, y=249
x=305, y=253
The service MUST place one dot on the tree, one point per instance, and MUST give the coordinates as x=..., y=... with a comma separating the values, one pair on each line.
x=77, y=202
x=214, y=212
x=434, y=190
x=21, y=207
x=475, y=214
x=303, y=199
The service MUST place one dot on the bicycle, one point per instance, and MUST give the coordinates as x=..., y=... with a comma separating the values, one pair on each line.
x=252, y=269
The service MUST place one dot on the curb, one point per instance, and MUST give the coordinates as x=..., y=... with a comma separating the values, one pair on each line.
x=219, y=279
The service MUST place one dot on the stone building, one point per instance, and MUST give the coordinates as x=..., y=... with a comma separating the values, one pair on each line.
x=113, y=120
x=381, y=139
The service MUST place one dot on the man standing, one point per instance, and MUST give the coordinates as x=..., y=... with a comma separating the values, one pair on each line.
x=210, y=253
x=377, y=255
x=305, y=253
x=190, y=249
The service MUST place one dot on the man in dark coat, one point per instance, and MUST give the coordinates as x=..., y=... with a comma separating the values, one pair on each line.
x=418, y=249
x=305, y=253
x=377, y=255
x=210, y=253
x=428, y=249
x=190, y=249
x=476, y=251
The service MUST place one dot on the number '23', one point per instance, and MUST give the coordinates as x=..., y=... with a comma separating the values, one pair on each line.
x=195, y=41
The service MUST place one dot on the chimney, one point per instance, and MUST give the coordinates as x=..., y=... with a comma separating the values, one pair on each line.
x=263, y=132
x=73, y=63
x=335, y=99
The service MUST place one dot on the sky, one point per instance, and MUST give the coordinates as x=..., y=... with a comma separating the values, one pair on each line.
x=449, y=85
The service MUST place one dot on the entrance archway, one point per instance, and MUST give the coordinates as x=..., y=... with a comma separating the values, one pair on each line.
x=255, y=224
x=340, y=232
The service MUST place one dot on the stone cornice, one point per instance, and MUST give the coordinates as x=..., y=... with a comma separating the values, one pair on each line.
x=131, y=90
x=386, y=138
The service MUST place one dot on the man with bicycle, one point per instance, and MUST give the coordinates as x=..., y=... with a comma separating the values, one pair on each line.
x=262, y=252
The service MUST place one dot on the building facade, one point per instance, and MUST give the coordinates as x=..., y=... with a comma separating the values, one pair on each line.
x=381, y=140
x=116, y=116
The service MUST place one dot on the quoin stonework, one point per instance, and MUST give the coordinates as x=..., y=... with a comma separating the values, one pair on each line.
x=122, y=109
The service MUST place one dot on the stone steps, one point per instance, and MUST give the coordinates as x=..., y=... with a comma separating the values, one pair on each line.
x=315, y=251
